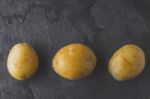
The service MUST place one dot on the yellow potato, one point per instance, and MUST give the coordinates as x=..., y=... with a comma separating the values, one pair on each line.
x=22, y=61
x=127, y=62
x=74, y=61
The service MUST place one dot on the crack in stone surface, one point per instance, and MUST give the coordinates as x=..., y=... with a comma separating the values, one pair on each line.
x=21, y=17
x=31, y=91
x=143, y=7
x=1, y=56
x=1, y=95
x=140, y=92
x=86, y=24
x=53, y=10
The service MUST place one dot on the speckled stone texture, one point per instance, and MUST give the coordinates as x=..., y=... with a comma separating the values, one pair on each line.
x=103, y=25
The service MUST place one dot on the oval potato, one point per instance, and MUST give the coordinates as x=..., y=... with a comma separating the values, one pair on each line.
x=74, y=61
x=127, y=62
x=22, y=61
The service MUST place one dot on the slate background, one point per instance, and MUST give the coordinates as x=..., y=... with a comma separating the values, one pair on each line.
x=104, y=25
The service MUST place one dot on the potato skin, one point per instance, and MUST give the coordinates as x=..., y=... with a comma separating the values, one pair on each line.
x=74, y=61
x=22, y=61
x=127, y=62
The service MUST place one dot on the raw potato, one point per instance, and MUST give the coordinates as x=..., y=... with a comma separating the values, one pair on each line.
x=22, y=61
x=74, y=61
x=127, y=62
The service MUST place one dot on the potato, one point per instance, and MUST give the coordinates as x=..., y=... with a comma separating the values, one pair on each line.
x=127, y=62
x=22, y=61
x=74, y=61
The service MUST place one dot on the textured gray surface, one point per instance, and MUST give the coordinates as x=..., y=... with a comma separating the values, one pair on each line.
x=47, y=25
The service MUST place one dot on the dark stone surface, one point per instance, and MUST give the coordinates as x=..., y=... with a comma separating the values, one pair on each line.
x=48, y=25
